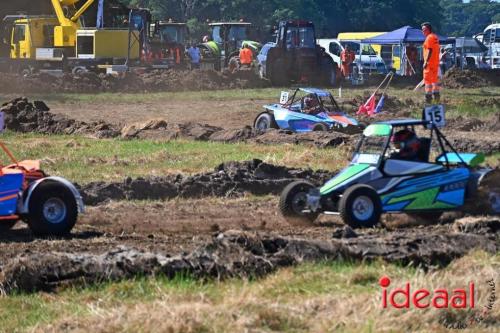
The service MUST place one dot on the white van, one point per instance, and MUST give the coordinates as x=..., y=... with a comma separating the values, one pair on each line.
x=371, y=62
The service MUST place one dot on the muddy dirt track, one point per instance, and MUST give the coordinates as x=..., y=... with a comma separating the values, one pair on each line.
x=210, y=227
x=23, y=116
x=219, y=238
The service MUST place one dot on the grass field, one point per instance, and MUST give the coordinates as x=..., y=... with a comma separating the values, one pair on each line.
x=322, y=297
x=84, y=159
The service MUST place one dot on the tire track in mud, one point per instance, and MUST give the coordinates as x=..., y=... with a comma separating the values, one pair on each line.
x=229, y=179
x=243, y=254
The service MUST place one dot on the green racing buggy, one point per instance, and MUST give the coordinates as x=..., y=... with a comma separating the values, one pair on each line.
x=377, y=182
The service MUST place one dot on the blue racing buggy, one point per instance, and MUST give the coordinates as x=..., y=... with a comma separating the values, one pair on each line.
x=309, y=109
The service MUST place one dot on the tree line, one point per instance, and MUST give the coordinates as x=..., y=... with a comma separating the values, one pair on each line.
x=450, y=17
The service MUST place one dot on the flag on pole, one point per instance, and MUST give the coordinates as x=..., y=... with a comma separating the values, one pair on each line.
x=380, y=104
x=368, y=107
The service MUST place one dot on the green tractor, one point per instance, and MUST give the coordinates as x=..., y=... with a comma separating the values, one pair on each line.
x=227, y=38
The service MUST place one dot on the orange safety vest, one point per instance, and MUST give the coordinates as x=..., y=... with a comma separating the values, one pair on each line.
x=432, y=43
x=246, y=56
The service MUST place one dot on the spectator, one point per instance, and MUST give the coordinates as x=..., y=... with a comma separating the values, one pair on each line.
x=431, y=64
x=347, y=57
x=194, y=55
x=246, y=56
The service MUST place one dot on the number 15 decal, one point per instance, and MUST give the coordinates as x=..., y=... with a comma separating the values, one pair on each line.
x=435, y=114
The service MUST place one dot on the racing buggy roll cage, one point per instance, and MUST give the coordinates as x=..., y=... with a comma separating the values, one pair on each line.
x=434, y=131
x=292, y=99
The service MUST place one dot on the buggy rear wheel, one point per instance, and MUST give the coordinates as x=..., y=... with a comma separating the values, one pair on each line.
x=320, y=127
x=293, y=202
x=360, y=206
x=52, y=210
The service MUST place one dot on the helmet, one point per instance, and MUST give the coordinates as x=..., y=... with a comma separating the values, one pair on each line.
x=310, y=102
x=407, y=141
x=402, y=137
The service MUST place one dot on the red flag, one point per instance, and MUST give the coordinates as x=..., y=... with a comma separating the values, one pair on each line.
x=368, y=107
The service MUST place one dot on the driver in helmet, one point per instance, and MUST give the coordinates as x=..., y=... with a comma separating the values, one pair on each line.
x=311, y=105
x=406, y=145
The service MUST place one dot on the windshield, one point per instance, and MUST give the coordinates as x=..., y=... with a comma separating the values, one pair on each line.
x=172, y=34
x=367, y=49
x=300, y=37
x=370, y=149
x=237, y=33
x=328, y=104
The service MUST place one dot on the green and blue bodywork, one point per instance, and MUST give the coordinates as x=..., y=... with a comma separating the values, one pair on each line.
x=405, y=186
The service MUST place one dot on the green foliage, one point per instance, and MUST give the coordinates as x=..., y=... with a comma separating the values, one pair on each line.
x=453, y=17
x=466, y=19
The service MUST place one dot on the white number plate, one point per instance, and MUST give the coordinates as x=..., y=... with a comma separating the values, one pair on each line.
x=284, y=97
x=435, y=113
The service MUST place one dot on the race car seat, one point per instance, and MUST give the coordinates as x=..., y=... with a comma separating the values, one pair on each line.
x=424, y=150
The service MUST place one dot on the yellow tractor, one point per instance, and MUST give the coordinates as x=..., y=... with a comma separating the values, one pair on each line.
x=62, y=40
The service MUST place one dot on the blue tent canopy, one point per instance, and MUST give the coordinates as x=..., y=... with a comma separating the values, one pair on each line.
x=403, y=35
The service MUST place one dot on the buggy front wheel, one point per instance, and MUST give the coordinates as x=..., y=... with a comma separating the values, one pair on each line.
x=360, y=206
x=265, y=121
x=293, y=203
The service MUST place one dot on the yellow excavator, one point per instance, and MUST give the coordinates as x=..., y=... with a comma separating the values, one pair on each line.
x=63, y=41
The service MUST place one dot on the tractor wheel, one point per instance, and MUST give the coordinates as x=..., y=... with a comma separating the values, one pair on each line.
x=360, y=206
x=265, y=121
x=329, y=75
x=278, y=76
x=320, y=127
x=26, y=71
x=234, y=64
x=6, y=225
x=293, y=201
x=52, y=210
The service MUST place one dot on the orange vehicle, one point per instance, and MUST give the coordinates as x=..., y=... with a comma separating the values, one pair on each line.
x=49, y=205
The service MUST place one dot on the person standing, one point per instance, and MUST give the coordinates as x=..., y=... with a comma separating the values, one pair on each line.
x=246, y=56
x=194, y=54
x=347, y=57
x=431, y=65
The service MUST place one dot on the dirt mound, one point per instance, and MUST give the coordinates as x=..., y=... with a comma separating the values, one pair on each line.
x=491, y=124
x=228, y=179
x=393, y=106
x=23, y=116
x=474, y=142
x=153, y=81
x=456, y=78
x=240, y=254
x=160, y=129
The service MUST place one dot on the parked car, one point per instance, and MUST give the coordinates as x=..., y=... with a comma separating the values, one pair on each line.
x=369, y=60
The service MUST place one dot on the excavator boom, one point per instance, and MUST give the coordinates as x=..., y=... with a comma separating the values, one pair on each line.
x=73, y=21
